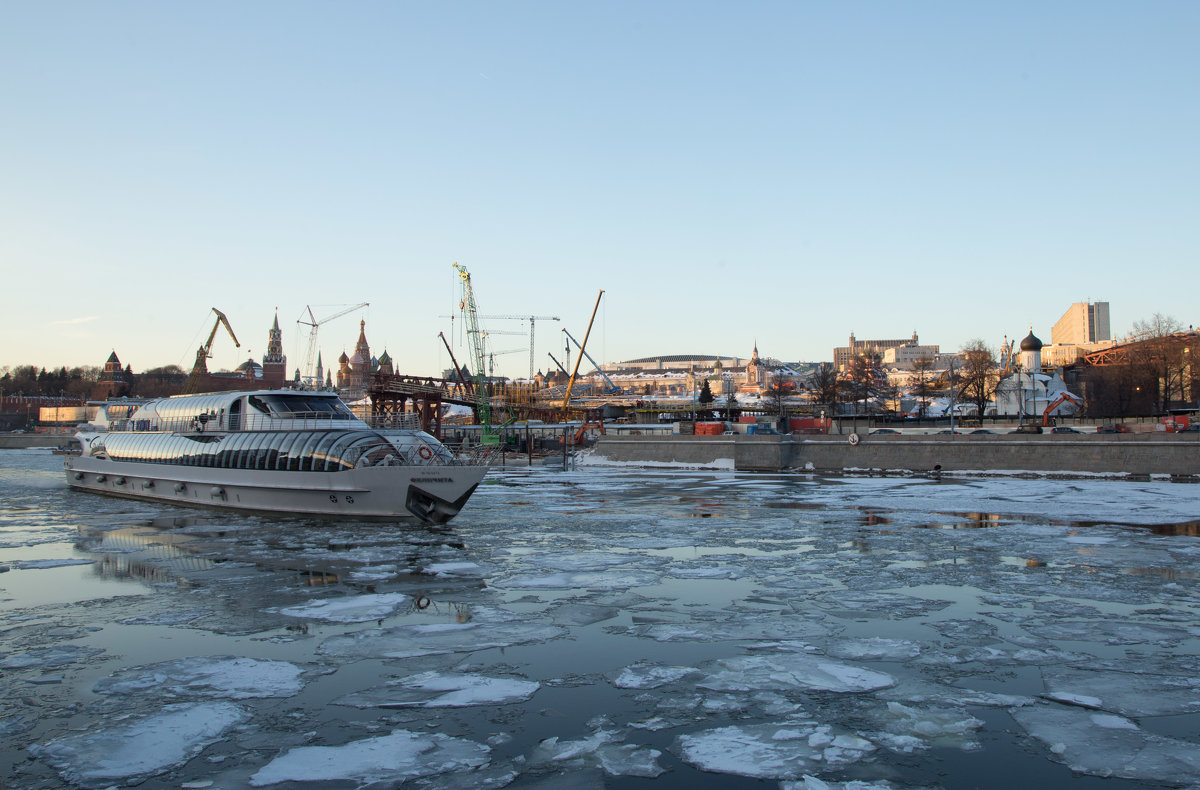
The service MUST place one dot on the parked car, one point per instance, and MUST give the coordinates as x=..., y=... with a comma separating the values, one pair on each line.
x=884, y=430
x=1117, y=428
x=948, y=431
x=981, y=430
x=1064, y=429
x=1027, y=429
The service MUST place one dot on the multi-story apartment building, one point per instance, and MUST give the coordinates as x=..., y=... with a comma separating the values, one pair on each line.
x=1083, y=323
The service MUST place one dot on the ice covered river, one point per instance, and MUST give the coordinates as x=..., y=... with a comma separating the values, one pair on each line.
x=609, y=627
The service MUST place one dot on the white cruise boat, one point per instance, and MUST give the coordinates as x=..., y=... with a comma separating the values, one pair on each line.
x=269, y=451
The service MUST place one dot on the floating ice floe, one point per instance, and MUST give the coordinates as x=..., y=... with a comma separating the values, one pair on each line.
x=786, y=671
x=57, y=656
x=918, y=691
x=397, y=757
x=603, y=750
x=748, y=628
x=874, y=648
x=706, y=572
x=349, y=609
x=813, y=783
x=1104, y=744
x=453, y=569
x=1110, y=632
x=910, y=729
x=787, y=750
x=1127, y=693
x=649, y=676
x=182, y=617
x=442, y=690
x=373, y=573
x=582, y=614
x=409, y=641
x=579, y=580
x=133, y=752
x=224, y=676
x=587, y=560
x=15, y=725
x=27, y=565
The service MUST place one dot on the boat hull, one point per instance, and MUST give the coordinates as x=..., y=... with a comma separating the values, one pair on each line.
x=422, y=494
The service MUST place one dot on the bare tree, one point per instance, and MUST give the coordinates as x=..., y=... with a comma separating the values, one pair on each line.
x=777, y=390
x=863, y=379
x=1165, y=354
x=979, y=376
x=824, y=384
x=922, y=387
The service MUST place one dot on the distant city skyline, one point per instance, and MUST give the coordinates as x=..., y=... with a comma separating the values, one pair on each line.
x=780, y=172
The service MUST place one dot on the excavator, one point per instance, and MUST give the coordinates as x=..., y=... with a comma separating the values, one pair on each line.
x=1063, y=397
x=200, y=369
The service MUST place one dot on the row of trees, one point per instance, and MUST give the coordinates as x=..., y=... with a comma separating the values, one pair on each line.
x=80, y=382
x=865, y=380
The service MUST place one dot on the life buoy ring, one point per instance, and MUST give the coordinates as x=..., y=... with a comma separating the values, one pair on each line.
x=853, y=438
x=425, y=452
x=423, y=602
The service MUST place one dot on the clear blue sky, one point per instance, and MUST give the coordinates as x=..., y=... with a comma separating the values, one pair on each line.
x=779, y=172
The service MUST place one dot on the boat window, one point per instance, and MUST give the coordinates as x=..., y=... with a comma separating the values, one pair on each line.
x=228, y=457
x=285, y=448
x=258, y=404
x=306, y=454
x=246, y=453
x=254, y=451
x=271, y=445
x=320, y=453
x=335, y=455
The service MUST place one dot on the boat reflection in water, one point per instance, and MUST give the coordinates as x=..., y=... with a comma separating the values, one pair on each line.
x=270, y=451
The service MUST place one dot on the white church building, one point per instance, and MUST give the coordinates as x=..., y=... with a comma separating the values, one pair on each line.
x=1028, y=391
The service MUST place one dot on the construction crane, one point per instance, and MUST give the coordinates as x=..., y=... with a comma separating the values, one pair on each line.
x=483, y=406
x=492, y=359
x=457, y=370
x=559, y=364
x=1006, y=357
x=575, y=370
x=204, y=353
x=313, y=323
x=612, y=388
x=532, y=319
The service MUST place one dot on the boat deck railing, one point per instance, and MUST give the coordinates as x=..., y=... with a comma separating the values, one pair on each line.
x=293, y=421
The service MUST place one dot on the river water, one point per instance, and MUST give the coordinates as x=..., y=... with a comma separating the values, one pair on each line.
x=609, y=627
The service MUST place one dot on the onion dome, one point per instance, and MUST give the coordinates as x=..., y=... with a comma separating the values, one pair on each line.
x=1031, y=343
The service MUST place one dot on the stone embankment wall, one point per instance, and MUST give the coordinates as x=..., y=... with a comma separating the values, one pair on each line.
x=17, y=441
x=1135, y=454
